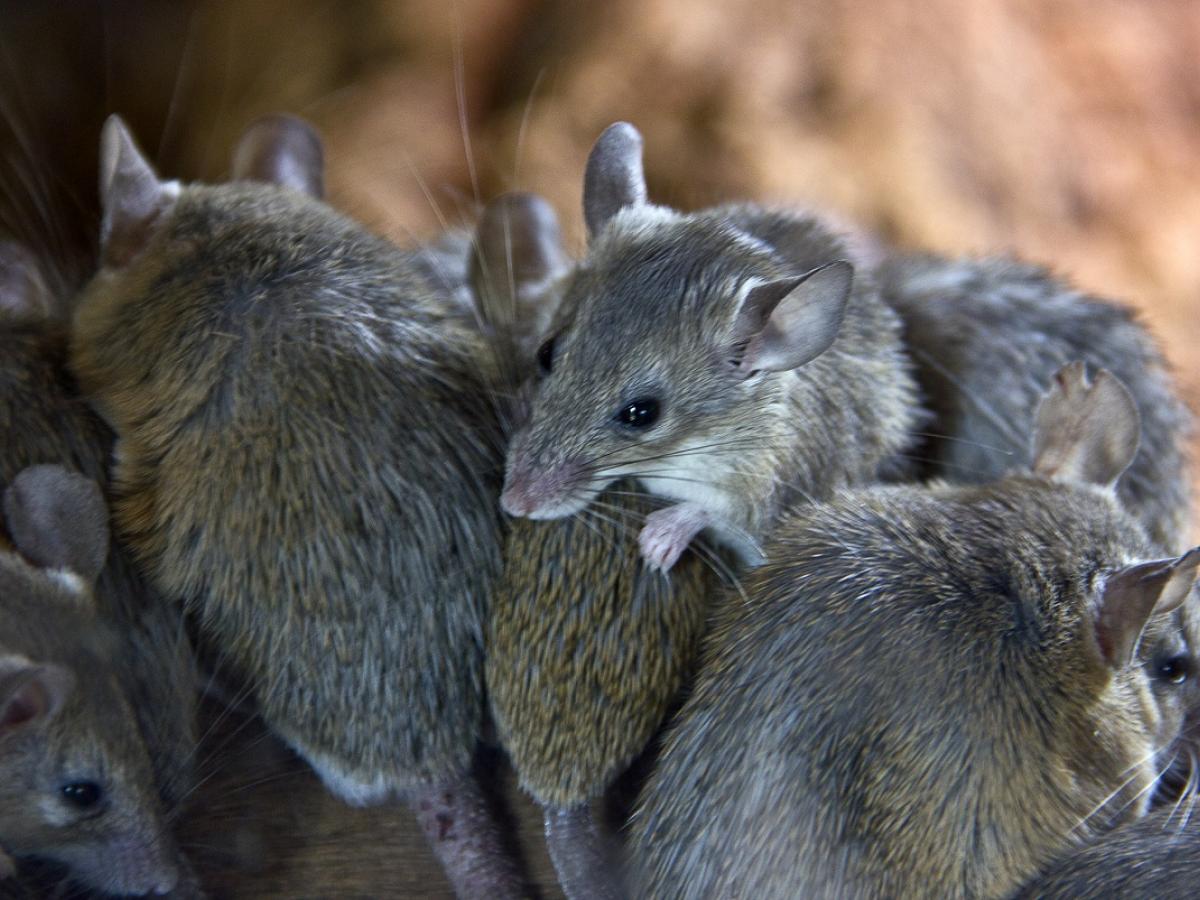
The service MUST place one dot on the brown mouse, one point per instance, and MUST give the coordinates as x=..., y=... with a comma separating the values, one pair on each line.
x=587, y=646
x=76, y=782
x=986, y=334
x=731, y=360
x=307, y=454
x=932, y=689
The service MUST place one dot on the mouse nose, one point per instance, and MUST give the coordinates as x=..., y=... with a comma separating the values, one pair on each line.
x=515, y=499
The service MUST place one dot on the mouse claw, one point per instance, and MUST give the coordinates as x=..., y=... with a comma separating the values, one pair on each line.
x=668, y=532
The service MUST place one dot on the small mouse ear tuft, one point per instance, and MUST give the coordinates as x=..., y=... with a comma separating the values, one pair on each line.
x=613, y=178
x=786, y=323
x=1086, y=431
x=519, y=254
x=1131, y=595
x=282, y=150
x=30, y=694
x=133, y=199
x=23, y=292
x=58, y=520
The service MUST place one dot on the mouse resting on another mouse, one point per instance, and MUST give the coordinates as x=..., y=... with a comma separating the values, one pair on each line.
x=307, y=453
x=730, y=360
x=935, y=688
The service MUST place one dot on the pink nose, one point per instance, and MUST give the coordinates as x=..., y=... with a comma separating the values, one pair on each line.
x=515, y=500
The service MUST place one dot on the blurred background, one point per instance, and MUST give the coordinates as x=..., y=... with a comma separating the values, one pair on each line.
x=1066, y=131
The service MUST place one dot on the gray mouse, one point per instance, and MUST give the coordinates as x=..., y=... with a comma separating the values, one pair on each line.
x=587, y=646
x=986, y=334
x=308, y=455
x=932, y=689
x=76, y=781
x=730, y=360
x=45, y=421
x=1155, y=857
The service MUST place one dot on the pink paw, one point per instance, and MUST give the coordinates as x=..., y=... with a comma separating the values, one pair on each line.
x=667, y=533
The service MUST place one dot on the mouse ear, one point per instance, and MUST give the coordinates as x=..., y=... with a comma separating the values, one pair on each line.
x=133, y=199
x=1086, y=431
x=613, y=178
x=282, y=150
x=1131, y=595
x=23, y=292
x=519, y=255
x=58, y=520
x=30, y=694
x=786, y=323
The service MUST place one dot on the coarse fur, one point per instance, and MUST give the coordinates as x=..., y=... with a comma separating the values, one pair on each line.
x=303, y=456
x=587, y=647
x=1157, y=856
x=46, y=421
x=66, y=710
x=986, y=334
x=659, y=308
x=922, y=691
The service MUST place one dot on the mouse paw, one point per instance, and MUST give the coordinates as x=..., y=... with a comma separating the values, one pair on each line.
x=667, y=533
x=8, y=867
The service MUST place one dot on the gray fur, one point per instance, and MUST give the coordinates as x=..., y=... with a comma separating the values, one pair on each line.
x=1157, y=857
x=986, y=335
x=83, y=727
x=308, y=454
x=45, y=421
x=650, y=311
x=909, y=698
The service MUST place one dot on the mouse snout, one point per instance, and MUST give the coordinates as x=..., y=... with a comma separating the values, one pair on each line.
x=548, y=494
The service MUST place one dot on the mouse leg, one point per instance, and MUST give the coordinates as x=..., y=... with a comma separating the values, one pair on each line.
x=8, y=868
x=581, y=854
x=466, y=840
x=667, y=533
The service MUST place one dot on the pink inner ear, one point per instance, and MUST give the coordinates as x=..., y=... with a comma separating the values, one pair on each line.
x=27, y=703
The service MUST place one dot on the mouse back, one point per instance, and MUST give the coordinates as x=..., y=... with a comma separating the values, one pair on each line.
x=78, y=785
x=1008, y=646
x=987, y=334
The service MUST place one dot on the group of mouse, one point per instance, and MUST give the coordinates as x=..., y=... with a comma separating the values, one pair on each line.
x=878, y=555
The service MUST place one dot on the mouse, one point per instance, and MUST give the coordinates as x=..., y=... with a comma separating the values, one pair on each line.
x=77, y=785
x=587, y=645
x=931, y=686
x=986, y=334
x=47, y=422
x=729, y=360
x=1156, y=856
x=307, y=454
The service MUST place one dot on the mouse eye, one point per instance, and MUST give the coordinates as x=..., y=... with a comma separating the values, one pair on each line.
x=82, y=794
x=545, y=356
x=1174, y=669
x=639, y=414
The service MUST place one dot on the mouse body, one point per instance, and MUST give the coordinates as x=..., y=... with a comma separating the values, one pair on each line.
x=305, y=448
x=931, y=688
x=731, y=360
x=1156, y=856
x=986, y=334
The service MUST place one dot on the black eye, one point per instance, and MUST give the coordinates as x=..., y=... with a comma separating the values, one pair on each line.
x=1175, y=669
x=639, y=414
x=83, y=794
x=545, y=356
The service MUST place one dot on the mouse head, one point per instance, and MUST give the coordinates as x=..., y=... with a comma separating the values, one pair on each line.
x=1036, y=663
x=672, y=338
x=76, y=785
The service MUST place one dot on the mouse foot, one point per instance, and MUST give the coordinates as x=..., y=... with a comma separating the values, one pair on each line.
x=583, y=856
x=667, y=533
x=8, y=868
x=466, y=840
